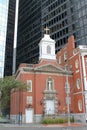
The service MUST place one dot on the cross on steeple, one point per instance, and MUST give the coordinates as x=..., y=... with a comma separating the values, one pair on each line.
x=47, y=45
x=47, y=30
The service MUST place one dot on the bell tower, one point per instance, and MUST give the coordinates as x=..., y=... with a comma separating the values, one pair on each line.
x=47, y=47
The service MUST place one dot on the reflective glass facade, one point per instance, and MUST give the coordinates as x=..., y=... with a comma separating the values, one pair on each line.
x=29, y=31
x=3, y=29
x=80, y=24
x=63, y=18
x=6, y=36
x=9, y=39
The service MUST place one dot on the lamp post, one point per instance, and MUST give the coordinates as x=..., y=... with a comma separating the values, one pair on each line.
x=67, y=89
x=0, y=101
x=85, y=106
x=0, y=94
x=20, y=110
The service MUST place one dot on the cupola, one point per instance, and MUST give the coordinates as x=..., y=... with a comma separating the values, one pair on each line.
x=47, y=47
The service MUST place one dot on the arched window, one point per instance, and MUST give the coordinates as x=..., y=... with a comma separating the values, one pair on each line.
x=80, y=105
x=60, y=60
x=77, y=64
x=65, y=56
x=48, y=49
x=78, y=83
x=50, y=84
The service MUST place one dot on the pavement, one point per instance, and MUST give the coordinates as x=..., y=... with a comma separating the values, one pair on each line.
x=66, y=125
x=42, y=125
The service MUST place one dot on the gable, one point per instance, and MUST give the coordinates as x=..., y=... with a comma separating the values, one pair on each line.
x=50, y=68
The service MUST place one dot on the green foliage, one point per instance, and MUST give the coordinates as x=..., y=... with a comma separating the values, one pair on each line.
x=59, y=121
x=52, y=121
x=6, y=84
x=72, y=119
x=48, y=121
x=56, y=120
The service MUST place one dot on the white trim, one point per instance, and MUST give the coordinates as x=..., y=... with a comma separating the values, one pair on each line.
x=78, y=93
x=50, y=107
x=29, y=115
x=29, y=82
x=50, y=65
x=78, y=83
x=84, y=73
x=29, y=100
x=80, y=105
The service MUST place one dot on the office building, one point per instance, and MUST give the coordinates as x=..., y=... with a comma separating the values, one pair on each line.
x=29, y=31
x=7, y=15
x=62, y=17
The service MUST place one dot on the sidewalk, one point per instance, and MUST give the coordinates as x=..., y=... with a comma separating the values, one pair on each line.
x=42, y=125
x=66, y=125
x=22, y=125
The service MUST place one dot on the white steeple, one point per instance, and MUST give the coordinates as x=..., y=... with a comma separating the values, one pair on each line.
x=47, y=47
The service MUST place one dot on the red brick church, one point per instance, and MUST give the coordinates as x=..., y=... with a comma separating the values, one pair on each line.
x=57, y=85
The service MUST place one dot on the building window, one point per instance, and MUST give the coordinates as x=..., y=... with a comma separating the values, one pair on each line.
x=86, y=61
x=80, y=105
x=67, y=87
x=65, y=56
x=48, y=49
x=29, y=100
x=29, y=85
x=50, y=84
x=59, y=60
x=78, y=83
x=74, y=52
x=77, y=64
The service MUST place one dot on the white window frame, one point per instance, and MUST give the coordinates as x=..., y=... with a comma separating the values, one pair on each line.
x=60, y=60
x=50, y=84
x=76, y=63
x=29, y=99
x=65, y=56
x=80, y=105
x=29, y=88
x=78, y=83
x=74, y=52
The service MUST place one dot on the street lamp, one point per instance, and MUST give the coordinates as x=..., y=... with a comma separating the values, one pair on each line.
x=85, y=108
x=0, y=94
x=0, y=101
x=68, y=99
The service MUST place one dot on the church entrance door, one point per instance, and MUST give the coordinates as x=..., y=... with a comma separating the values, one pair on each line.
x=49, y=106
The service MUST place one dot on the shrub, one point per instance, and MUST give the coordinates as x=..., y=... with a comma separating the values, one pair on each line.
x=72, y=119
x=65, y=120
x=52, y=121
x=59, y=120
x=48, y=121
x=56, y=120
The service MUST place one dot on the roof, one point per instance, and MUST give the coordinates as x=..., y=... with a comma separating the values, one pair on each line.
x=44, y=66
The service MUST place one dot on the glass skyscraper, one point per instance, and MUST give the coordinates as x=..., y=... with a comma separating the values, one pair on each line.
x=3, y=30
x=65, y=18
x=7, y=15
x=29, y=31
x=62, y=17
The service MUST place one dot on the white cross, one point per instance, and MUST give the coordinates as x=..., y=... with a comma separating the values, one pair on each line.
x=47, y=30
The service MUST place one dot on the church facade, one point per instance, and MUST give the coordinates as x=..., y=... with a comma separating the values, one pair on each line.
x=57, y=85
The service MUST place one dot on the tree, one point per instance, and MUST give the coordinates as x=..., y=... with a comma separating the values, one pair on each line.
x=6, y=85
